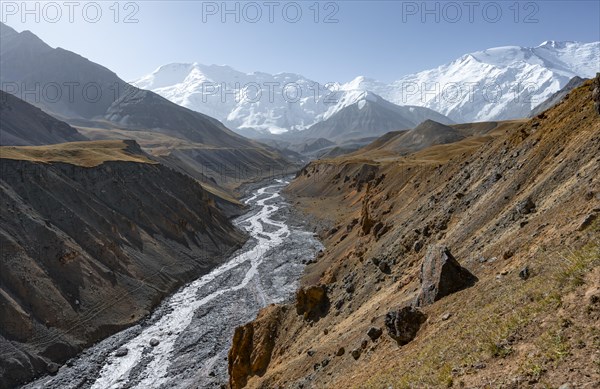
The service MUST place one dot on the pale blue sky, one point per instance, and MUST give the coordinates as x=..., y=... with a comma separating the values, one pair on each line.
x=378, y=39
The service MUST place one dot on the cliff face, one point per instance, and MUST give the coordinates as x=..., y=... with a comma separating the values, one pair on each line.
x=516, y=210
x=87, y=251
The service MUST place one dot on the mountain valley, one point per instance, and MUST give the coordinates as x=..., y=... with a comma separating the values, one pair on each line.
x=205, y=227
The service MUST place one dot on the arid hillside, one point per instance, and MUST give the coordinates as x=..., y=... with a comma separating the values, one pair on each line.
x=93, y=236
x=471, y=264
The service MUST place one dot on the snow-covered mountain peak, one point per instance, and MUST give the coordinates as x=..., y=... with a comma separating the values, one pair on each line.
x=361, y=83
x=498, y=83
x=165, y=75
x=493, y=84
x=557, y=44
x=178, y=73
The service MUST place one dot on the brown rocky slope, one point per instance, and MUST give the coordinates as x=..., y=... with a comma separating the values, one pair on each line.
x=93, y=236
x=516, y=209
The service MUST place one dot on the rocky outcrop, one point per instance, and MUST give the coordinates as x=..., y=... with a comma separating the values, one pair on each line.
x=402, y=325
x=374, y=333
x=252, y=346
x=441, y=275
x=366, y=223
x=312, y=302
x=596, y=93
x=525, y=207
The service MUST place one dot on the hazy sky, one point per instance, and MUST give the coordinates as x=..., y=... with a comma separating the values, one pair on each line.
x=343, y=39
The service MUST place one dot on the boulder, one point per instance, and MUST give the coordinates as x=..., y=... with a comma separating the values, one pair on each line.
x=384, y=267
x=417, y=246
x=52, y=368
x=349, y=287
x=441, y=275
x=312, y=302
x=524, y=273
x=526, y=206
x=402, y=325
x=587, y=221
x=374, y=333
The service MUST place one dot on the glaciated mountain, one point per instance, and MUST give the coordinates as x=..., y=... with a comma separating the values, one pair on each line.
x=494, y=84
x=256, y=103
x=251, y=102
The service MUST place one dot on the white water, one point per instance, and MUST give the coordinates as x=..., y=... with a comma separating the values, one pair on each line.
x=186, y=302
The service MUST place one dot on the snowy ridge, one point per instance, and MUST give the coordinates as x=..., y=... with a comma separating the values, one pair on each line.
x=494, y=84
x=272, y=103
x=498, y=83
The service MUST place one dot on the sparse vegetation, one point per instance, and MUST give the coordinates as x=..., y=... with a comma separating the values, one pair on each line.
x=576, y=264
x=491, y=326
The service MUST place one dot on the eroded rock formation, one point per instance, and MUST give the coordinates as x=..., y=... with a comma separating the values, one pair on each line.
x=252, y=346
x=312, y=301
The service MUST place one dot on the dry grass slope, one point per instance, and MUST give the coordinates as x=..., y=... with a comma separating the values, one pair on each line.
x=86, y=154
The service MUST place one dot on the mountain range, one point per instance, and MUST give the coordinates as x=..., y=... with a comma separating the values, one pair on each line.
x=494, y=84
x=104, y=107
